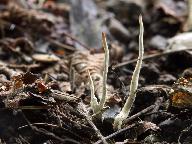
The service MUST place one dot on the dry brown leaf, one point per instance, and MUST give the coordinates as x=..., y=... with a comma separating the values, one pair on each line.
x=45, y=58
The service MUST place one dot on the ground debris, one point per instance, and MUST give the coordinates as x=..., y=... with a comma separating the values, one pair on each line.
x=47, y=48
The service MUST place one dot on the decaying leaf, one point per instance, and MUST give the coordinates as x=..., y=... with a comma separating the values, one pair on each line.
x=84, y=61
x=18, y=83
x=180, y=41
x=46, y=58
x=58, y=95
x=181, y=93
x=175, y=9
x=23, y=79
x=41, y=86
x=29, y=78
x=150, y=125
x=39, y=20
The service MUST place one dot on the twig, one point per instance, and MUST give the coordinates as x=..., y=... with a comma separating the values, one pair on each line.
x=7, y=46
x=60, y=45
x=88, y=118
x=188, y=129
x=33, y=124
x=74, y=39
x=23, y=140
x=148, y=57
x=72, y=77
x=139, y=114
x=52, y=126
x=8, y=72
x=23, y=66
x=116, y=133
x=63, y=96
x=157, y=104
x=74, y=123
x=47, y=133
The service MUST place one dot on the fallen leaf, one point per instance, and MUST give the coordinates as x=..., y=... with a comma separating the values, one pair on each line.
x=181, y=93
x=46, y=58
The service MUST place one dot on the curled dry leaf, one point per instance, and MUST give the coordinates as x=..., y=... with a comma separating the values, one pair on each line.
x=116, y=52
x=39, y=21
x=180, y=41
x=175, y=9
x=46, y=58
x=150, y=125
x=29, y=78
x=41, y=86
x=23, y=79
x=58, y=95
x=8, y=72
x=118, y=30
x=22, y=44
x=181, y=93
x=84, y=61
x=58, y=9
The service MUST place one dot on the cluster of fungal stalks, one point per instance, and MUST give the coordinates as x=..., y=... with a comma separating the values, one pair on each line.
x=95, y=105
x=96, y=73
x=91, y=68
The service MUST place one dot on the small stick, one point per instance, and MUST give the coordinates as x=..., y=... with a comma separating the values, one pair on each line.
x=157, y=104
x=74, y=39
x=148, y=57
x=45, y=132
x=52, y=126
x=88, y=118
x=61, y=45
x=72, y=77
x=183, y=132
x=116, y=133
x=139, y=114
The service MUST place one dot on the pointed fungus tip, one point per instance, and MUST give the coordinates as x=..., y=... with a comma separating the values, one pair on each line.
x=103, y=35
x=140, y=19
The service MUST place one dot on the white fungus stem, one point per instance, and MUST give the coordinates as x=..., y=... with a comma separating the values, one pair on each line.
x=97, y=107
x=134, y=83
x=189, y=19
x=94, y=103
x=105, y=71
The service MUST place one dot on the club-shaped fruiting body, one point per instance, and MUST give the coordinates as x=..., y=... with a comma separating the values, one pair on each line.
x=134, y=83
x=95, y=105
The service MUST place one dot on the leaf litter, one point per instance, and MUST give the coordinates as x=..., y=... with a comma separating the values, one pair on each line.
x=48, y=47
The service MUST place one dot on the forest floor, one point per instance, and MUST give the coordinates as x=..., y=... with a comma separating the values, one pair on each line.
x=47, y=47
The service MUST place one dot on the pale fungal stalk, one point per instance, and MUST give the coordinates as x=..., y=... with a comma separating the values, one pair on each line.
x=95, y=105
x=105, y=71
x=134, y=83
x=189, y=19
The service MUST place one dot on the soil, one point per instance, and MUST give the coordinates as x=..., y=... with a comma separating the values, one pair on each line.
x=47, y=48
